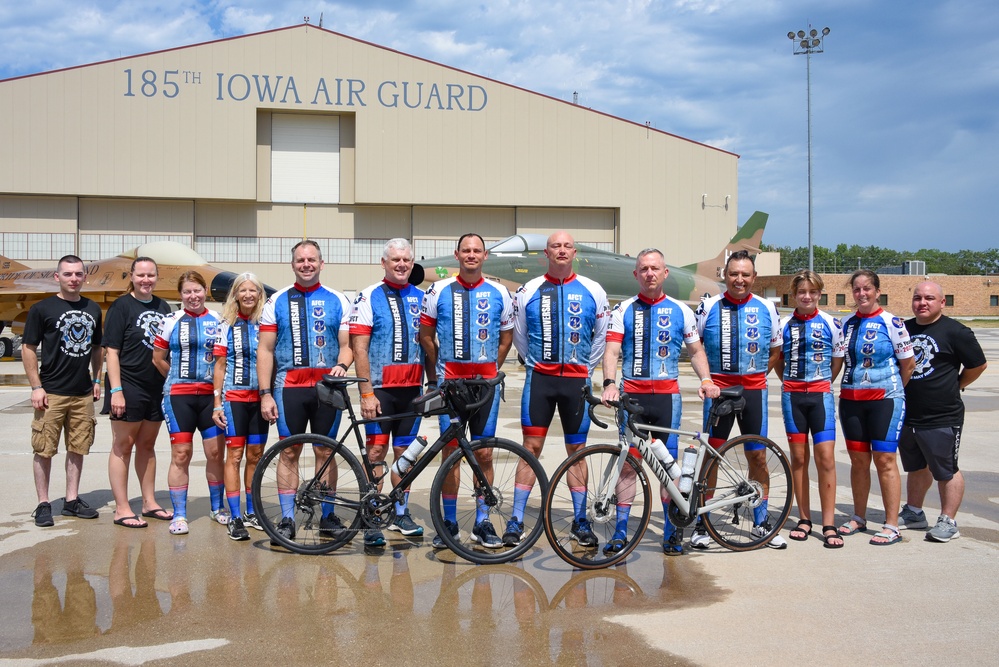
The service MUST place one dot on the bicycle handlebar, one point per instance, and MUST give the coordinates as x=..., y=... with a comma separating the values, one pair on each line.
x=625, y=403
x=479, y=381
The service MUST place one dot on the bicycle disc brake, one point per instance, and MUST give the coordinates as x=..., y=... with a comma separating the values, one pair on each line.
x=603, y=510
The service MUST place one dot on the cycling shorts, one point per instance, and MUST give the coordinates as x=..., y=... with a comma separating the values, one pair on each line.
x=872, y=425
x=805, y=413
x=542, y=394
x=394, y=401
x=752, y=421
x=245, y=424
x=299, y=408
x=187, y=413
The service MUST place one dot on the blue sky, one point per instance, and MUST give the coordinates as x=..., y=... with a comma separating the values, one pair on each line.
x=905, y=98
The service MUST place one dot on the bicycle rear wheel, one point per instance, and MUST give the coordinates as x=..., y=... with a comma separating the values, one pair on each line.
x=618, y=514
x=752, y=524
x=506, y=458
x=292, y=485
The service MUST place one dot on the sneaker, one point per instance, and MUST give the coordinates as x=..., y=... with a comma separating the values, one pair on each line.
x=286, y=529
x=452, y=528
x=220, y=516
x=912, y=520
x=776, y=542
x=673, y=545
x=237, y=531
x=251, y=521
x=616, y=543
x=485, y=534
x=404, y=524
x=583, y=534
x=945, y=530
x=700, y=538
x=514, y=531
x=78, y=508
x=331, y=525
x=374, y=538
x=43, y=515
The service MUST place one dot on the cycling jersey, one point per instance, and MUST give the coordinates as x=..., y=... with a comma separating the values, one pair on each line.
x=308, y=322
x=191, y=340
x=560, y=325
x=238, y=343
x=468, y=320
x=809, y=344
x=651, y=334
x=390, y=315
x=874, y=343
x=737, y=336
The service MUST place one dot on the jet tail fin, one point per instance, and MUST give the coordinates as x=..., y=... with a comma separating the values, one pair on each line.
x=7, y=264
x=748, y=237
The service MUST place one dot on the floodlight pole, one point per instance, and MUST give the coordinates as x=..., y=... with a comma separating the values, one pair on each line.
x=806, y=44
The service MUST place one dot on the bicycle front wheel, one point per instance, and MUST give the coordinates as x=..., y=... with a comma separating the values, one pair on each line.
x=587, y=491
x=754, y=465
x=483, y=531
x=307, y=493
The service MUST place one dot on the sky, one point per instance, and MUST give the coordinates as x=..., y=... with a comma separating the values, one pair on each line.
x=905, y=96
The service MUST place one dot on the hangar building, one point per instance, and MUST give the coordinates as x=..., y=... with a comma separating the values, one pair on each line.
x=242, y=146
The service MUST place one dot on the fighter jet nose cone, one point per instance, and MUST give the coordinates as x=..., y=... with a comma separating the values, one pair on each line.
x=416, y=277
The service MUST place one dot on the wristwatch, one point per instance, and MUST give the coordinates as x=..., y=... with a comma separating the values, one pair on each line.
x=264, y=392
x=608, y=382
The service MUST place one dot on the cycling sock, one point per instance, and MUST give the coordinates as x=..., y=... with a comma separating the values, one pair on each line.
x=578, y=494
x=623, y=513
x=481, y=510
x=328, y=508
x=249, y=503
x=668, y=527
x=400, y=508
x=521, y=492
x=216, y=490
x=287, y=501
x=450, y=506
x=233, y=500
x=760, y=513
x=178, y=497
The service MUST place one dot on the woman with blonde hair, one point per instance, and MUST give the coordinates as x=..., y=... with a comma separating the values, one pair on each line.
x=237, y=401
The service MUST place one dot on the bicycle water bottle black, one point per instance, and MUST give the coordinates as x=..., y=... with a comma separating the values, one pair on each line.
x=687, y=469
x=408, y=458
x=658, y=448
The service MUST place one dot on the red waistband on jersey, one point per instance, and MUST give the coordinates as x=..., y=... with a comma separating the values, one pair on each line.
x=752, y=381
x=805, y=387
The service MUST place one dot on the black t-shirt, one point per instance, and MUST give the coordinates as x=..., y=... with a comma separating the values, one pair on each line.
x=933, y=396
x=130, y=328
x=69, y=332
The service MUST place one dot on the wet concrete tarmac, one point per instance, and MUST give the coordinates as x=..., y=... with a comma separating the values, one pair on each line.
x=93, y=593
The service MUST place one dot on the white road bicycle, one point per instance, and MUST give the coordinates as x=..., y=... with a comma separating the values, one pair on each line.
x=742, y=490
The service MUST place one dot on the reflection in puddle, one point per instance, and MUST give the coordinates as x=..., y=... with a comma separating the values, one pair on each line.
x=148, y=589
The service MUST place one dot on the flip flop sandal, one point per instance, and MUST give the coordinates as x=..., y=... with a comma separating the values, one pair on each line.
x=122, y=520
x=159, y=513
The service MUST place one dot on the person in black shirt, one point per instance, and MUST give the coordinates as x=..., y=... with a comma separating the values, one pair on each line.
x=135, y=392
x=948, y=359
x=63, y=394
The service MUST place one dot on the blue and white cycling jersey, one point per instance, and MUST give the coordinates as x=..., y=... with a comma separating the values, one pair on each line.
x=874, y=343
x=191, y=340
x=651, y=336
x=737, y=338
x=308, y=322
x=238, y=343
x=809, y=344
x=468, y=320
x=390, y=315
x=560, y=325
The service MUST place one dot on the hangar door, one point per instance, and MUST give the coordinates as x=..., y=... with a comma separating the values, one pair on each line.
x=305, y=158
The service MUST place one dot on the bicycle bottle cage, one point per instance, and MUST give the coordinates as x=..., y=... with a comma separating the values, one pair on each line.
x=332, y=393
x=731, y=401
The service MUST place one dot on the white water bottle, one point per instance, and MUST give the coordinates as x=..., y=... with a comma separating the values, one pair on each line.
x=408, y=458
x=658, y=448
x=687, y=469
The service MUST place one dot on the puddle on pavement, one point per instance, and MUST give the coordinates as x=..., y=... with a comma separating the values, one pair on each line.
x=104, y=588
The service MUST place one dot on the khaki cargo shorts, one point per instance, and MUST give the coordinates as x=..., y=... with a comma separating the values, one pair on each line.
x=75, y=414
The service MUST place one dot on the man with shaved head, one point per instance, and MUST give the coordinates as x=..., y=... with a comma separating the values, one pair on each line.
x=948, y=359
x=560, y=323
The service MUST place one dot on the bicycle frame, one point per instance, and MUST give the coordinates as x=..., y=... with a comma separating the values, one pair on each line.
x=370, y=500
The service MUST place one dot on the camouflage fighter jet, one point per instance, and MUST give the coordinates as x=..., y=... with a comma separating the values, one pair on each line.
x=516, y=259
